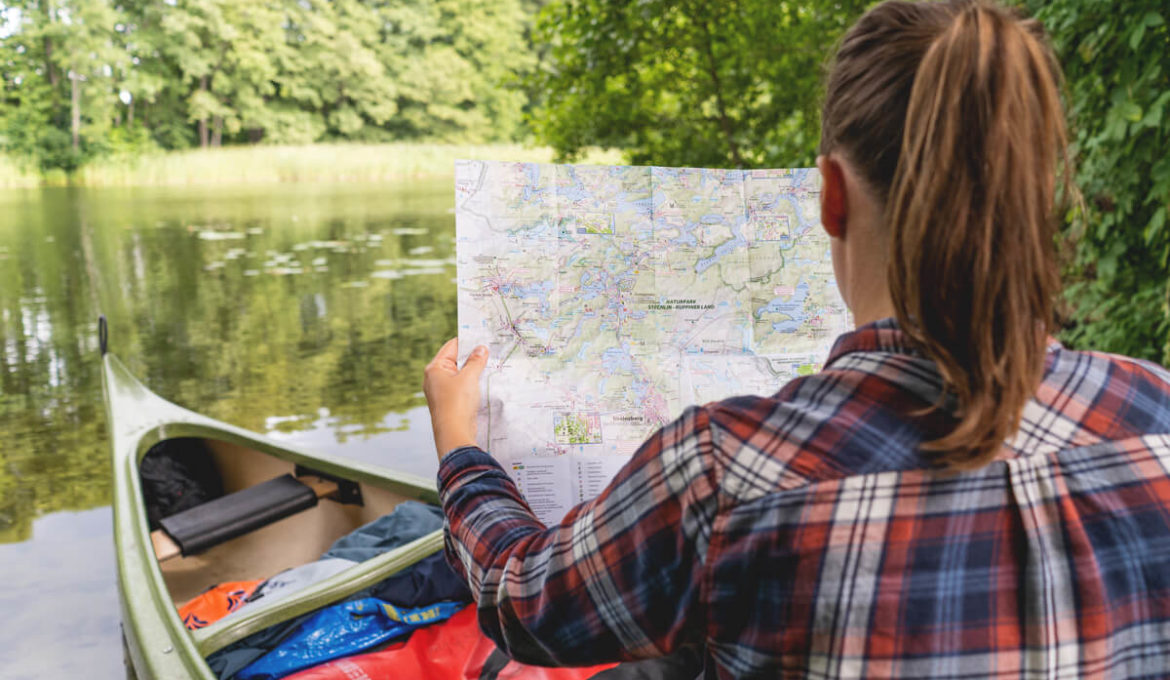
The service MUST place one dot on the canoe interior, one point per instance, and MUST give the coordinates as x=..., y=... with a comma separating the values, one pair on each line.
x=290, y=542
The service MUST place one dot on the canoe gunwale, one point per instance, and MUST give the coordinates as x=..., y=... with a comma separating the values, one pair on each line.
x=160, y=645
x=156, y=636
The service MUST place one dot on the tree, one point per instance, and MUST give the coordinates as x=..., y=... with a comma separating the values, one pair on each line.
x=86, y=77
x=456, y=63
x=88, y=56
x=227, y=54
x=688, y=82
x=67, y=46
x=1117, y=66
x=332, y=81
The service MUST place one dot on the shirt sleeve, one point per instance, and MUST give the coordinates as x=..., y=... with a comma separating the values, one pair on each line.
x=620, y=577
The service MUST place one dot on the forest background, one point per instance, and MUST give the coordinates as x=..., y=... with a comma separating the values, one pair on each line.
x=117, y=91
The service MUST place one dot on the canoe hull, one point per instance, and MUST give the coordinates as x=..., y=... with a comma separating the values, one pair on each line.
x=157, y=643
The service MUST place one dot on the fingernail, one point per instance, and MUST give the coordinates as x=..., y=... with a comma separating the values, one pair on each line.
x=480, y=351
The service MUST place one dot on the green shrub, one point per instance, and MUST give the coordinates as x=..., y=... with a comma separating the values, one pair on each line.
x=1117, y=65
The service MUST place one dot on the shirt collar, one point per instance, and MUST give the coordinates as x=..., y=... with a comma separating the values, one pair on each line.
x=884, y=335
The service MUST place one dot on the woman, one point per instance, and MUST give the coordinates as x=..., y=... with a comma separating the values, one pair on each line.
x=954, y=496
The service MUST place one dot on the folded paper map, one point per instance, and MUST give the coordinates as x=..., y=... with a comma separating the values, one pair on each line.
x=613, y=297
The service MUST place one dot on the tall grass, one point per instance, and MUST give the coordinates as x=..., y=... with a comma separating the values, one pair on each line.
x=14, y=174
x=313, y=163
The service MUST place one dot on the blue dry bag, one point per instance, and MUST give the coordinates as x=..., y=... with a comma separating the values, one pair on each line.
x=342, y=630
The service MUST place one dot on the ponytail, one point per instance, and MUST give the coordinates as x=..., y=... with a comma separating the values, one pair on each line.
x=970, y=203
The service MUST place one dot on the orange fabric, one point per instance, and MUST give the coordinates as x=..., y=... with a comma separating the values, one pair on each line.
x=216, y=602
x=452, y=650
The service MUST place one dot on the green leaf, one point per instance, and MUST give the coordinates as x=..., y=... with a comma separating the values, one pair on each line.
x=1155, y=225
x=1130, y=111
x=1135, y=38
x=1154, y=114
x=1107, y=268
x=1150, y=20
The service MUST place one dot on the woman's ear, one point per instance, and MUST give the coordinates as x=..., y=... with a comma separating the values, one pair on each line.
x=834, y=205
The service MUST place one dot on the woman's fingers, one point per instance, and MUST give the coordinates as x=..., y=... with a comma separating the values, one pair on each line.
x=453, y=395
x=447, y=357
x=475, y=363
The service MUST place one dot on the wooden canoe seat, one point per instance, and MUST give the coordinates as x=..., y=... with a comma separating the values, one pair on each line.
x=205, y=526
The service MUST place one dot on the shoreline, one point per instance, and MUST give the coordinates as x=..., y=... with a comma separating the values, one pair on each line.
x=267, y=165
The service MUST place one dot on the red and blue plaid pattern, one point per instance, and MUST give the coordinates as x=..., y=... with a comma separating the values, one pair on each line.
x=805, y=535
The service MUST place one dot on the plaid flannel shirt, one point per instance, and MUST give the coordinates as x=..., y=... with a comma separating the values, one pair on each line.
x=805, y=535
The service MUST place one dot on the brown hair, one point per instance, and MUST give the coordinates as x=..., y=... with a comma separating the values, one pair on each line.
x=951, y=113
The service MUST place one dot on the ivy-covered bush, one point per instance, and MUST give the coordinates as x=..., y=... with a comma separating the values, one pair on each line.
x=1116, y=59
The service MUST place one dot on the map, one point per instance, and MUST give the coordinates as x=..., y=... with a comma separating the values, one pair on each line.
x=613, y=297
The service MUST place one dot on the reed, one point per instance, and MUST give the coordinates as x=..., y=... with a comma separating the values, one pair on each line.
x=14, y=174
x=313, y=163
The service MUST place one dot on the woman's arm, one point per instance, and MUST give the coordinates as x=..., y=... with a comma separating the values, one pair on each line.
x=619, y=577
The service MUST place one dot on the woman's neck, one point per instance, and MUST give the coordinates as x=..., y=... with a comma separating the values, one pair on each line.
x=872, y=310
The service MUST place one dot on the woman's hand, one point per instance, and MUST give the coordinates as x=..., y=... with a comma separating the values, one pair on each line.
x=453, y=395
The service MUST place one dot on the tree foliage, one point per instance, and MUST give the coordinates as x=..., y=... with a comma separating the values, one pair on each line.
x=84, y=77
x=688, y=82
x=1117, y=66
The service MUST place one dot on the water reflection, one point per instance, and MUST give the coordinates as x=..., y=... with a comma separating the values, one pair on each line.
x=291, y=309
x=61, y=607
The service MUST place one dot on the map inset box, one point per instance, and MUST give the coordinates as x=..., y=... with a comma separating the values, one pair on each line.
x=577, y=428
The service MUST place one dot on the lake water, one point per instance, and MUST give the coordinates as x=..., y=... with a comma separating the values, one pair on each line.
x=303, y=311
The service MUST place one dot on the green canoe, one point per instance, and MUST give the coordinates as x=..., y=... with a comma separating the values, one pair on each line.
x=152, y=580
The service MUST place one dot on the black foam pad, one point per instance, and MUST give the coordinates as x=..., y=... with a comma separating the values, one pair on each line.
x=235, y=514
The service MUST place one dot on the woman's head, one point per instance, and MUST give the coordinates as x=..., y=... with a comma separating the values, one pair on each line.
x=948, y=115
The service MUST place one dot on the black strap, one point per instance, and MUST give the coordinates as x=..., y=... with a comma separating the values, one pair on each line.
x=494, y=665
x=685, y=663
x=103, y=334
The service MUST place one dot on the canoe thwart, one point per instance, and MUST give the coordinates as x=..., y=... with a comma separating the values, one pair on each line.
x=349, y=492
x=209, y=524
x=164, y=547
x=322, y=488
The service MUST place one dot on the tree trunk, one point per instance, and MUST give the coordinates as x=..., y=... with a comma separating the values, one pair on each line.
x=203, y=136
x=75, y=109
x=50, y=67
x=725, y=122
x=130, y=113
x=217, y=133
x=51, y=70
